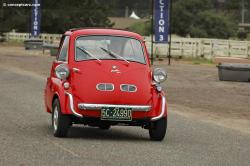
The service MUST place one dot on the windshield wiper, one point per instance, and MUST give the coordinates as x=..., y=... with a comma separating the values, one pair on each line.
x=88, y=53
x=113, y=54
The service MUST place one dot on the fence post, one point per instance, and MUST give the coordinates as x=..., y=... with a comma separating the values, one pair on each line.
x=198, y=48
x=179, y=48
x=212, y=48
x=229, y=48
x=192, y=42
x=7, y=36
x=248, y=50
x=202, y=48
x=182, y=48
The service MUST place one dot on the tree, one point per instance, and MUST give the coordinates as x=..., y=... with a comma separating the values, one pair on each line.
x=81, y=13
x=201, y=18
x=59, y=16
x=143, y=28
x=10, y=18
x=141, y=7
x=209, y=24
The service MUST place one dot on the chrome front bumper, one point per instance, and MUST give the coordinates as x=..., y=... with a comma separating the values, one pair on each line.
x=71, y=105
x=85, y=106
x=163, y=109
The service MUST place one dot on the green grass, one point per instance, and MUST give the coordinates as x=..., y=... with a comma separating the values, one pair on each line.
x=196, y=61
x=12, y=43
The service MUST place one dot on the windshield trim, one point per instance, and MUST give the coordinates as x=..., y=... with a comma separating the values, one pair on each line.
x=144, y=56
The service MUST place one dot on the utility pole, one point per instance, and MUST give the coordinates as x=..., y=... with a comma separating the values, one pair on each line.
x=152, y=33
x=170, y=29
x=2, y=15
x=243, y=11
x=126, y=12
x=2, y=10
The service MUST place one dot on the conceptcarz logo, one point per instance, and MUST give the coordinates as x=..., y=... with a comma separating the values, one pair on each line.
x=161, y=21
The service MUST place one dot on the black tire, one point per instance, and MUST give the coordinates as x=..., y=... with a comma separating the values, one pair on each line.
x=157, y=129
x=63, y=122
x=105, y=126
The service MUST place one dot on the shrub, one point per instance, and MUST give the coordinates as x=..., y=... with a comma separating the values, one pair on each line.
x=143, y=28
x=242, y=34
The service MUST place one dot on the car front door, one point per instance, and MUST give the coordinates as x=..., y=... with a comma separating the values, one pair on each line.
x=62, y=57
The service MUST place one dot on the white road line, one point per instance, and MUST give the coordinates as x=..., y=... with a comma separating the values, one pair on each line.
x=63, y=148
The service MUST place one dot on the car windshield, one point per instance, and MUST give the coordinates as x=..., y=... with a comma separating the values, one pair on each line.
x=109, y=47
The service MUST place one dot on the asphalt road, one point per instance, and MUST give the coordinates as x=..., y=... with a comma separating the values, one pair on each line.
x=26, y=136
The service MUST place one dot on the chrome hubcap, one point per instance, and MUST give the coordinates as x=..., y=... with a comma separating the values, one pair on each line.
x=55, y=118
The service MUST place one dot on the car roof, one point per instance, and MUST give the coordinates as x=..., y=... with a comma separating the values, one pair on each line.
x=103, y=31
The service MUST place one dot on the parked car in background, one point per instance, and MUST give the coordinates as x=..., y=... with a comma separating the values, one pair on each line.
x=103, y=77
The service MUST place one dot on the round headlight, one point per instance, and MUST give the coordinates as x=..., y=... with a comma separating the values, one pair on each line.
x=159, y=75
x=62, y=71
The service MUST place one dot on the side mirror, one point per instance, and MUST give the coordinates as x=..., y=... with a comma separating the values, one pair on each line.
x=62, y=71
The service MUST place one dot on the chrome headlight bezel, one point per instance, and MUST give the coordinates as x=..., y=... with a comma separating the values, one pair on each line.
x=62, y=71
x=159, y=75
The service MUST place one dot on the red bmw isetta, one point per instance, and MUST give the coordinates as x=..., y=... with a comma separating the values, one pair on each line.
x=102, y=77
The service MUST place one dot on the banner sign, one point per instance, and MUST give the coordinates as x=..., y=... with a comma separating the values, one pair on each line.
x=161, y=21
x=36, y=18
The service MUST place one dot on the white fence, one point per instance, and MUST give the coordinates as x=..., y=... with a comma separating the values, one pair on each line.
x=181, y=47
x=48, y=38
x=199, y=47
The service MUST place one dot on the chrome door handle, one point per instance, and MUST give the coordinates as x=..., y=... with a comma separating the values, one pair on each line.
x=76, y=70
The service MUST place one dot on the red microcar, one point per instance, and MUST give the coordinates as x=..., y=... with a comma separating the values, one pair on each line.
x=101, y=78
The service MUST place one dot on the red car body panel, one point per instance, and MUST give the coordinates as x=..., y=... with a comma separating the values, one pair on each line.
x=91, y=72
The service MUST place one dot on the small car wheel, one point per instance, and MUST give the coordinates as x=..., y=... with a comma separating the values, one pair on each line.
x=105, y=127
x=60, y=122
x=157, y=129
